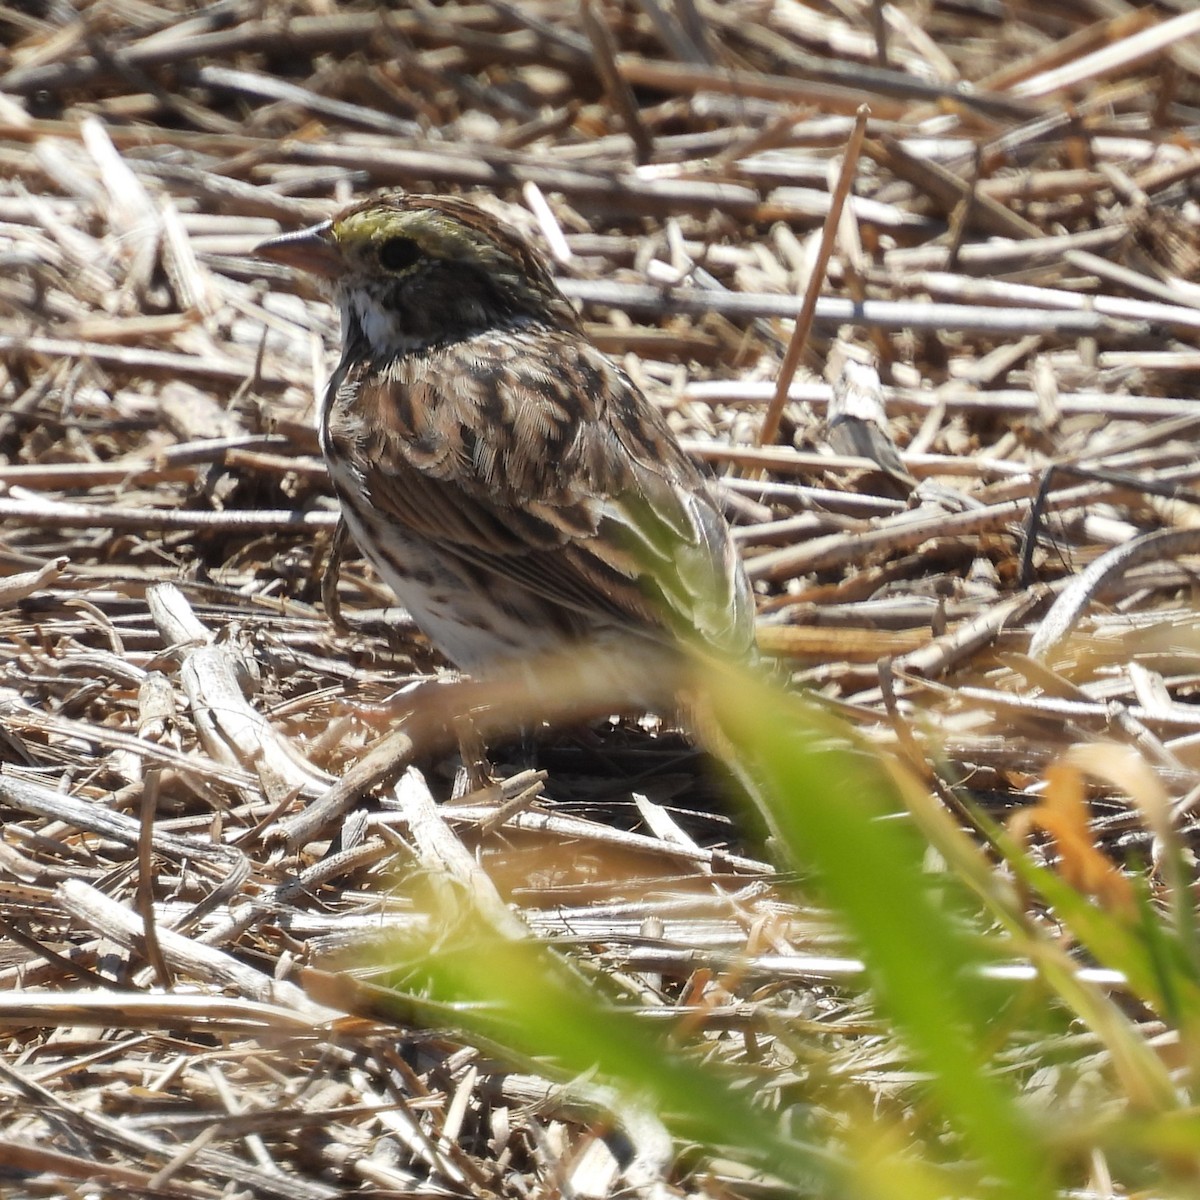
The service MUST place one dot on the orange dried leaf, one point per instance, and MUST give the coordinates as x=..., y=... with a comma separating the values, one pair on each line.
x=1063, y=815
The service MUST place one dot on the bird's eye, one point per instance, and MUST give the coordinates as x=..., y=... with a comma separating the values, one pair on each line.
x=397, y=253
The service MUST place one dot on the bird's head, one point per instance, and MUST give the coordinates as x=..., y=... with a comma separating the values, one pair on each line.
x=413, y=271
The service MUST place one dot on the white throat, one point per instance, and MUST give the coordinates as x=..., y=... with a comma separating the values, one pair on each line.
x=380, y=325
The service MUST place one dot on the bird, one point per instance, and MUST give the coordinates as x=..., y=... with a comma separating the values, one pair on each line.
x=510, y=483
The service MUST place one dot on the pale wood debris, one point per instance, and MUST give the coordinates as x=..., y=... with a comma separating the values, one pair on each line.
x=1018, y=261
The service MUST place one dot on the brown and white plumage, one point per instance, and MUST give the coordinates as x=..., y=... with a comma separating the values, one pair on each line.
x=509, y=482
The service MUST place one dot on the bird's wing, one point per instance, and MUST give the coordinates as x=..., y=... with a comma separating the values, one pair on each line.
x=560, y=478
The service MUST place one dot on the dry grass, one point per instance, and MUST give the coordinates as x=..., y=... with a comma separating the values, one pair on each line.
x=1019, y=261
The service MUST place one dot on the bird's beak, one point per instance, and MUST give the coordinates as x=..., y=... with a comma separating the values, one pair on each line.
x=312, y=250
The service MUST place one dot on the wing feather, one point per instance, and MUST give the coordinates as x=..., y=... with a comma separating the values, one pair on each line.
x=568, y=484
